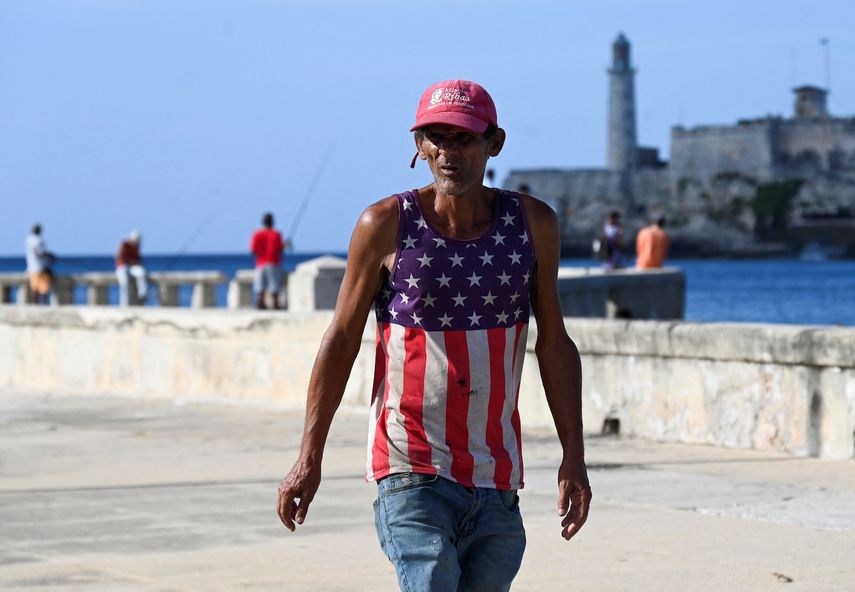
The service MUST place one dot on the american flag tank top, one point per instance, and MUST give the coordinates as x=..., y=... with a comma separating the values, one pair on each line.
x=452, y=322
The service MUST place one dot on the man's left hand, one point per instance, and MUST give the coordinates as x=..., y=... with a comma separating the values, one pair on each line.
x=574, y=496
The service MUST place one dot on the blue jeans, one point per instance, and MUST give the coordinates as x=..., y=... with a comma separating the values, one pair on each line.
x=444, y=537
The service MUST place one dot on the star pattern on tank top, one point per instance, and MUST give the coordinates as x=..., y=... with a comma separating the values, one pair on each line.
x=441, y=284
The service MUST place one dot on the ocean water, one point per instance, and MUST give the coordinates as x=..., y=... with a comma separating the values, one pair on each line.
x=771, y=291
x=761, y=291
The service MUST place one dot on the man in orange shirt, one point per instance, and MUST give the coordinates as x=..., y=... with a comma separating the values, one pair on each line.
x=651, y=245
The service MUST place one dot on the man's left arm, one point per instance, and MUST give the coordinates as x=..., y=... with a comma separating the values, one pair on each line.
x=560, y=368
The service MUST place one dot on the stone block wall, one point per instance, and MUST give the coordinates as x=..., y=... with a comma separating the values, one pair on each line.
x=807, y=146
x=699, y=154
x=583, y=197
x=651, y=191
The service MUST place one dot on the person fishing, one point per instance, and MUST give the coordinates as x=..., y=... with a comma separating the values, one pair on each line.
x=39, y=262
x=129, y=265
x=267, y=245
x=452, y=271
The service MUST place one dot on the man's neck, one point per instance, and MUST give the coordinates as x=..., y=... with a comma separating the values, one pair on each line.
x=463, y=216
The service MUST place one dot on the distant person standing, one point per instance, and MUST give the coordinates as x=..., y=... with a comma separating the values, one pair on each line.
x=39, y=261
x=612, y=242
x=129, y=263
x=651, y=245
x=267, y=246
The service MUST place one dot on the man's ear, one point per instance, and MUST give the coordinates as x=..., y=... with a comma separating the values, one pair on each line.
x=497, y=142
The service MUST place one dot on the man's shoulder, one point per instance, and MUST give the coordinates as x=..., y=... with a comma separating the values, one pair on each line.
x=381, y=213
x=265, y=232
x=376, y=231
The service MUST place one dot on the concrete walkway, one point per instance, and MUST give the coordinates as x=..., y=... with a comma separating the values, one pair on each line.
x=108, y=494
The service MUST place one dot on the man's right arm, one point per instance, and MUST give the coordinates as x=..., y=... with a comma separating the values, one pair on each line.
x=372, y=248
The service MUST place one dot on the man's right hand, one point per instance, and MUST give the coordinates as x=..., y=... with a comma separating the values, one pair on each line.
x=296, y=492
x=372, y=249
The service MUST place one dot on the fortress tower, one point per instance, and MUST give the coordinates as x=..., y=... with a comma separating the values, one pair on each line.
x=622, y=138
x=811, y=102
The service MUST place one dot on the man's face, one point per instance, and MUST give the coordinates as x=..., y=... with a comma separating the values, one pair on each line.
x=457, y=158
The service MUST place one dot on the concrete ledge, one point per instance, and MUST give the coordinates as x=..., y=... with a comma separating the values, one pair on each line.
x=769, y=387
x=747, y=342
x=625, y=293
x=161, y=353
x=314, y=285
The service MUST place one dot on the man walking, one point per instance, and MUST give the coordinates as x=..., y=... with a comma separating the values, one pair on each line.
x=452, y=271
x=651, y=245
x=267, y=246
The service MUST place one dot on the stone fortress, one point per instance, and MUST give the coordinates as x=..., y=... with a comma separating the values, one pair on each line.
x=764, y=186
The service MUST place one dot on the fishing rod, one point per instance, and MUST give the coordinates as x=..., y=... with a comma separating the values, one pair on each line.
x=308, y=196
x=191, y=237
x=170, y=263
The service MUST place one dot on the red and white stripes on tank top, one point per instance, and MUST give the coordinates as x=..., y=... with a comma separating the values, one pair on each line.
x=452, y=322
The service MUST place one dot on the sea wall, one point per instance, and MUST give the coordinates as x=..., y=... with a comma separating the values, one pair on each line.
x=778, y=387
x=788, y=388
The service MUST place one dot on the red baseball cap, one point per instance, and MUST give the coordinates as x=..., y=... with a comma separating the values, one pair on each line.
x=460, y=103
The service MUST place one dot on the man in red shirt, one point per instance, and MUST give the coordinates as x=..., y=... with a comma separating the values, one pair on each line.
x=129, y=263
x=267, y=246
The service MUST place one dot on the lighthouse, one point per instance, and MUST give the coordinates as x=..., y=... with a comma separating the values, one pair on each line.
x=622, y=137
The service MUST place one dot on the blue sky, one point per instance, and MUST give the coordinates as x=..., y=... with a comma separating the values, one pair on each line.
x=189, y=119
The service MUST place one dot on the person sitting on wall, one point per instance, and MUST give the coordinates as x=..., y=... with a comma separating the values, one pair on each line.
x=129, y=263
x=651, y=245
